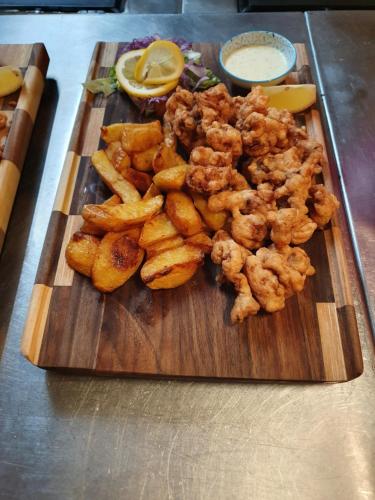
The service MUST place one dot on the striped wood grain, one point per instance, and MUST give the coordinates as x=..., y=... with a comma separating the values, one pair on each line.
x=185, y=332
x=33, y=61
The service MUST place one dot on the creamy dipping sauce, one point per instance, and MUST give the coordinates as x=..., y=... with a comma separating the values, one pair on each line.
x=257, y=62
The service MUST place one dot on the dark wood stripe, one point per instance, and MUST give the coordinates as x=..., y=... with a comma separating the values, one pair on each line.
x=51, y=249
x=18, y=138
x=39, y=58
x=96, y=191
x=71, y=334
x=350, y=341
x=2, y=238
x=321, y=282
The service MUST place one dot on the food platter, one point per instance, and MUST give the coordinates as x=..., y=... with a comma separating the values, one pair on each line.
x=183, y=332
x=20, y=109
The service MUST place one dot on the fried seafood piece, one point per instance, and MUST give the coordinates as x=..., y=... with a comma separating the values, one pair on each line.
x=297, y=259
x=289, y=225
x=262, y=135
x=290, y=264
x=237, y=181
x=224, y=137
x=274, y=168
x=209, y=171
x=297, y=185
x=247, y=200
x=255, y=100
x=324, y=205
x=180, y=118
x=214, y=104
x=231, y=256
x=265, y=285
x=249, y=230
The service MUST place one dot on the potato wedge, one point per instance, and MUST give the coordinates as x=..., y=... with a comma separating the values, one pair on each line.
x=166, y=157
x=178, y=276
x=143, y=160
x=89, y=228
x=117, y=259
x=113, y=132
x=151, y=192
x=162, y=246
x=201, y=241
x=171, y=268
x=171, y=179
x=214, y=220
x=113, y=179
x=140, y=180
x=120, y=217
x=141, y=136
x=182, y=212
x=159, y=228
x=80, y=252
x=117, y=156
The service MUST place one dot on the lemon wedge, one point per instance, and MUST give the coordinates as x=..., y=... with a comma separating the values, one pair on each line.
x=125, y=68
x=162, y=62
x=10, y=80
x=294, y=98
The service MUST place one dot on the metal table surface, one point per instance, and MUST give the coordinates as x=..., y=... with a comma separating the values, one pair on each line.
x=74, y=437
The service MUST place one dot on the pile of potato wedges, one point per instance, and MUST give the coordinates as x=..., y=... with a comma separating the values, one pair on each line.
x=151, y=213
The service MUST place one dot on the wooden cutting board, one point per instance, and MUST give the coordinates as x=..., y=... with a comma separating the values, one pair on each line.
x=21, y=108
x=185, y=332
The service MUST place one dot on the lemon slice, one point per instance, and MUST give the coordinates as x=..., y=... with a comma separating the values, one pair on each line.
x=294, y=98
x=10, y=80
x=125, y=68
x=161, y=62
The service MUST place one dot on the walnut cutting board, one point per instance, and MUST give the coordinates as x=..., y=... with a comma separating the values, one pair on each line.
x=185, y=332
x=21, y=108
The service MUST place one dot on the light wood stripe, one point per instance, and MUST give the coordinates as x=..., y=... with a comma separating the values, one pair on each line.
x=9, y=178
x=11, y=53
x=108, y=55
x=64, y=273
x=92, y=135
x=67, y=182
x=31, y=92
x=302, y=58
x=36, y=322
x=333, y=356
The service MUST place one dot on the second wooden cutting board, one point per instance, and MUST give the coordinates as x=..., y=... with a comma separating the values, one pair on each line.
x=185, y=332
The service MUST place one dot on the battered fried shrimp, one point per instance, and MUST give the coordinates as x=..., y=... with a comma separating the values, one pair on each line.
x=274, y=168
x=289, y=225
x=324, y=205
x=180, y=118
x=282, y=263
x=297, y=185
x=262, y=135
x=209, y=171
x=264, y=284
x=207, y=157
x=256, y=100
x=247, y=200
x=231, y=200
x=297, y=259
x=238, y=181
x=224, y=137
x=215, y=99
x=231, y=257
x=207, y=180
x=249, y=230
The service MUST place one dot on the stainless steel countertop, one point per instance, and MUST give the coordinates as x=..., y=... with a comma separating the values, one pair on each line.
x=74, y=437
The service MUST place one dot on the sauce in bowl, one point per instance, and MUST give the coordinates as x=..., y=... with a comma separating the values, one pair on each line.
x=256, y=62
